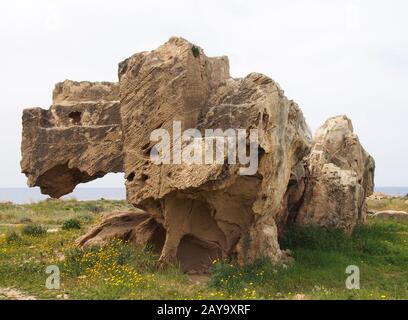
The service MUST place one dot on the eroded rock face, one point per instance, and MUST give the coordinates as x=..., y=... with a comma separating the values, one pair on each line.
x=340, y=177
x=208, y=211
x=194, y=213
x=134, y=226
x=77, y=140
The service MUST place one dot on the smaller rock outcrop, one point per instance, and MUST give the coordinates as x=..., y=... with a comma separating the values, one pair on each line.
x=378, y=196
x=392, y=215
x=340, y=177
x=133, y=226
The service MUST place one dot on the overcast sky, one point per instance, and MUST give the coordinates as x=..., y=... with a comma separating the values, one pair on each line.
x=331, y=57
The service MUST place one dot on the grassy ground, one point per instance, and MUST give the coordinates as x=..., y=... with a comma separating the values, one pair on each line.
x=379, y=249
x=391, y=203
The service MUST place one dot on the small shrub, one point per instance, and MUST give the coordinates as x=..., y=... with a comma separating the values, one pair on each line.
x=196, y=51
x=13, y=237
x=25, y=220
x=71, y=224
x=77, y=260
x=33, y=230
x=86, y=218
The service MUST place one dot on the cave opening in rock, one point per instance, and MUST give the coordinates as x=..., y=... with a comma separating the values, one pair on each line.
x=195, y=255
x=75, y=117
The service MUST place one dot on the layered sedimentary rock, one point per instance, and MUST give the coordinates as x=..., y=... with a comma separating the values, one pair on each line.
x=78, y=139
x=193, y=211
x=340, y=177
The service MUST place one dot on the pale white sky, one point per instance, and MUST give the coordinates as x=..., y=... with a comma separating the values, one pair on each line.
x=332, y=57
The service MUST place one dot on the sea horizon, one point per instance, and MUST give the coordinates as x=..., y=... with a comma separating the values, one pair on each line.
x=30, y=195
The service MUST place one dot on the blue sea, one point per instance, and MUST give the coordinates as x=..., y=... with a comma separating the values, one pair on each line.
x=28, y=195
x=393, y=191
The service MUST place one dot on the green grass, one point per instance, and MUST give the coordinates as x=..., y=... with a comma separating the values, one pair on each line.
x=118, y=271
x=392, y=203
x=379, y=249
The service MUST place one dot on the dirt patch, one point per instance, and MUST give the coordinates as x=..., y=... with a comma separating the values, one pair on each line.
x=14, y=294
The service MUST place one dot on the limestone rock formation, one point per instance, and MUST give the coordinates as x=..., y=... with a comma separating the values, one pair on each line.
x=340, y=177
x=392, y=215
x=77, y=140
x=378, y=196
x=208, y=210
x=134, y=226
x=192, y=212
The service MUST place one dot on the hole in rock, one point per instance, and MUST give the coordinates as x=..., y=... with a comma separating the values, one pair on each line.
x=196, y=51
x=195, y=255
x=75, y=116
x=130, y=177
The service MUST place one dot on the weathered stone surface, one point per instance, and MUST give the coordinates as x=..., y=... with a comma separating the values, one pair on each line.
x=134, y=226
x=208, y=210
x=392, y=215
x=378, y=196
x=340, y=177
x=77, y=140
x=195, y=213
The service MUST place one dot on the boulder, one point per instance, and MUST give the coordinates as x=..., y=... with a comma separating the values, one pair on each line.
x=77, y=140
x=377, y=196
x=392, y=215
x=133, y=226
x=340, y=177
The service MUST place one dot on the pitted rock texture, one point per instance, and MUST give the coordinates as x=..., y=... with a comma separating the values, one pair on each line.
x=208, y=210
x=199, y=212
x=77, y=140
